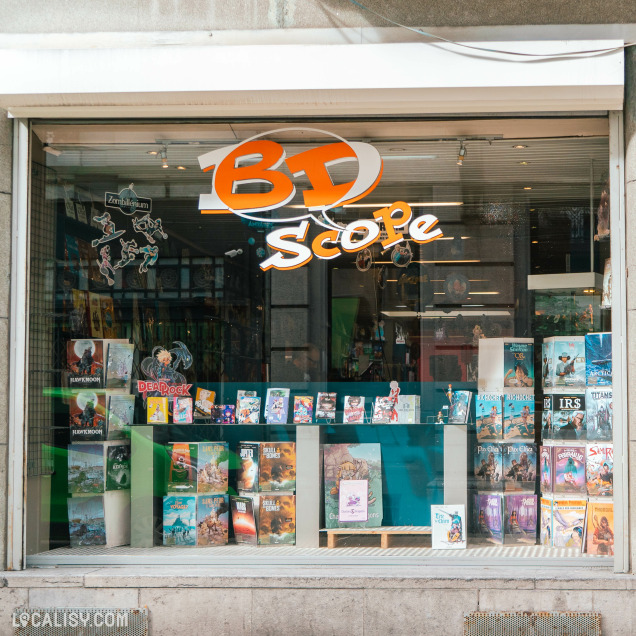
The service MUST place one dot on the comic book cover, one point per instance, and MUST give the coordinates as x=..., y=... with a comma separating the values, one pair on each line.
x=229, y=416
x=489, y=518
x=569, y=361
x=179, y=520
x=120, y=415
x=598, y=359
x=518, y=417
x=216, y=414
x=203, y=402
x=95, y=314
x=448, y=527
x=488, y=467
x=520, y=466
x=108, y=317
x=249, y=410
x=568, y=522
x=88, y=261
x=182, y=471
x=243, y=520
x=182, y=410
x=273, y=393
x=545, y=525
x=277, y=519
x=353, y=500
x=568, y=417
x=518, y=364
x=352, y=461
x=247, y=473
x=600, y=528
x=87, y=416
x=326, y=406
x=157, y=410
x=547, y=363
x=460, y=407
x=599, y=414
x=569, y=469
x=546, y=418
x=241, y=393
x=212, y=467
x=489, y=417
x=277, y=409
x=277, y=466
x=382, y=410
x=408, y=409
x=545, y=468
x=303, y=409
x=599, y=469
x=353, y=409
x=85, y=468
x=79, y=316
x=85, y=364
x=213, y=517
x=86, y=522
x=520, y=519
x=118, y=467
x=119, y=365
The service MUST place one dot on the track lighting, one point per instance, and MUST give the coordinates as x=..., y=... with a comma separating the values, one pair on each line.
x=164, y=157
x=462, y=154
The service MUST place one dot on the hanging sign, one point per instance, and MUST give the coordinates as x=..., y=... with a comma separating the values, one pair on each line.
x=258, y=159
x=127, y=201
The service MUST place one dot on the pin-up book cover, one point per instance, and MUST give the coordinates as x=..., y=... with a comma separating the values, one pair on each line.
x=489, y=411
x=518, y=417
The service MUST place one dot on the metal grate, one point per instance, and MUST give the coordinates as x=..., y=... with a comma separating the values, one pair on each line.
x=80, y=621
x=532, y=624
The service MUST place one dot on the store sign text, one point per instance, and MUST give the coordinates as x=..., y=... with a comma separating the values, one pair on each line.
x=163, y=388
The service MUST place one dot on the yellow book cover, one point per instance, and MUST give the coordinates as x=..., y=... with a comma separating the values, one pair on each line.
x=157, y=410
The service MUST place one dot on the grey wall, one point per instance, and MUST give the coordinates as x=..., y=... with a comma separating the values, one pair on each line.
x=195, y=15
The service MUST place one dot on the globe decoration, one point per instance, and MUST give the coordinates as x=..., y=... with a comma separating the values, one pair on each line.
x=129, y=202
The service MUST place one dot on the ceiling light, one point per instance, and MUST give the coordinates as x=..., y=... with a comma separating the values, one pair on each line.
x=527, y=187
x=462, y=154
x=154, y=153
x=523, y=163
x=181, y=167
x=534, y=242
x=164, y=157
x=519, y=146
x=52, y=151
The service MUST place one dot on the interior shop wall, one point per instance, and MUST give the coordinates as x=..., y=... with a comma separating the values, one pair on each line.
x=62, y=16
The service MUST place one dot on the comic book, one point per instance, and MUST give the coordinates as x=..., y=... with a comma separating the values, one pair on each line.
x=569, y=361
x=213, y=516
x=85, y=364
x=326, y=406
x=249, y=410
x=568, y=417
x=352, y=461
x=216, y=414
x=600, y=528
x=489, y=411
x=182, y=471
x=95, y=315
x=353, y=409
x=599, y=414
x=568, y=523
x=212, y=467
x=546, y=418
x=108, y=317
x=179, y=520
x=243, y=520
x=599, y=469
x=518, y=417
x=488, y=467
x=119, y=365
x=518, y=364
x=87, y=525
x=569, y=470
x=489, y=518
x=408, y=409
x=79, y=316
x=382, y=410
x=182, y=410
x=520, y=519
x=241, y=393
x=448, y=527
x=353, y=500
x=120, y=415
x=520, y=466
x=118, y=467
x=247, y=473
x=547, y=364
x=273, y=393
x=277, y=519
x=87, y=416
x=545, y=469
x=303, y=409
x=157, y=410
x=460, y=407
x=203, y=402
x=277, y=409
x=545, y=523
x=86, y=468
x=598, y=359
x=229, y=416
x=277, y=466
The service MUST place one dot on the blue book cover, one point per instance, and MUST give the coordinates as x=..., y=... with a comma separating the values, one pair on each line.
x=86, y=522
x=599, y=413
x=487, y=467
x=518, y=417
x=489, y=416
x=277, y=408
x=518, y=364
x=86, y=468
x=598, y=359
x=569, y=361
x=179, y=520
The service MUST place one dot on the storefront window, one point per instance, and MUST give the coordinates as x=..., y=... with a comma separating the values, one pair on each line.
x=334, y=335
